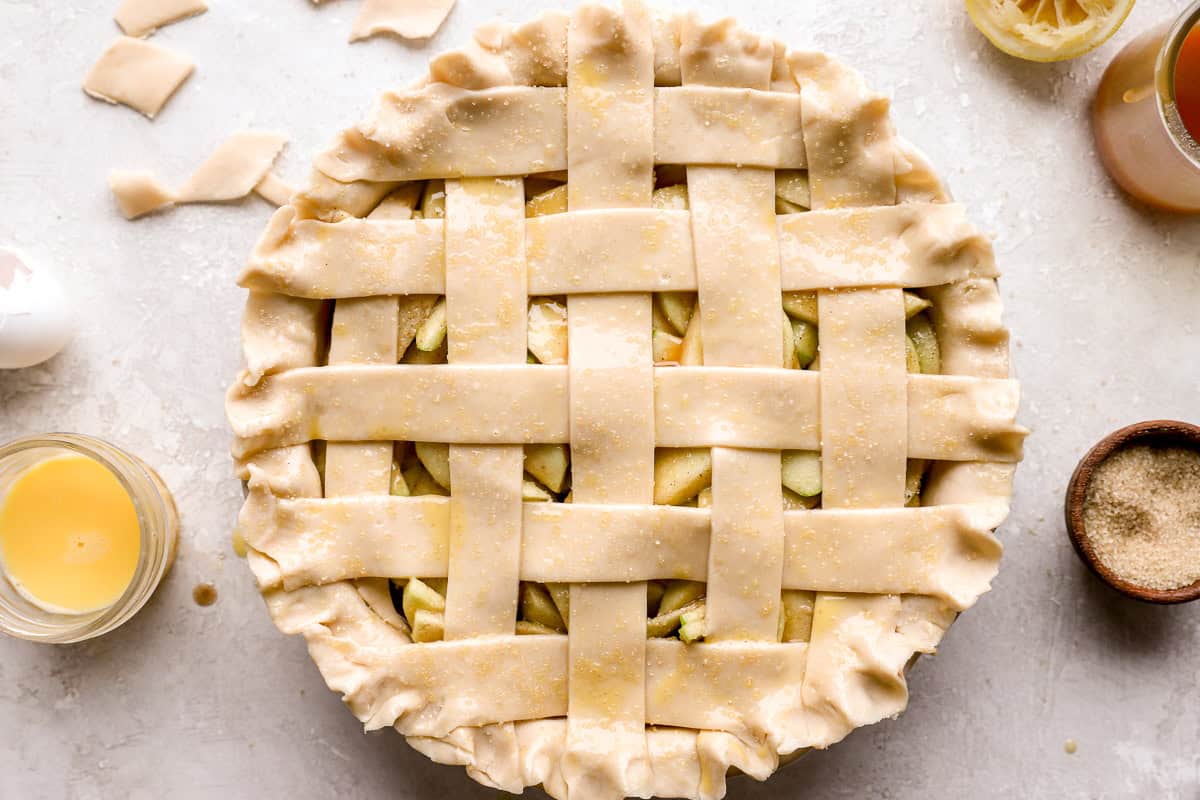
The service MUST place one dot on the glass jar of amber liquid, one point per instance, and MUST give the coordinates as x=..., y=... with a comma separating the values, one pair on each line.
x=1146, y=115
x=87, y=532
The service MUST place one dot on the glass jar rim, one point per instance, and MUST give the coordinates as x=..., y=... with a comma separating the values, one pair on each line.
x=1164, y=70
x=78, y=627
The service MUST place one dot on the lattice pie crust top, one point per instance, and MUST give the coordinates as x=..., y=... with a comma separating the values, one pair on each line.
x=521, y=509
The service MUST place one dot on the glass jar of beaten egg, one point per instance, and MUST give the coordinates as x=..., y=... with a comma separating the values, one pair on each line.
x=87, y=532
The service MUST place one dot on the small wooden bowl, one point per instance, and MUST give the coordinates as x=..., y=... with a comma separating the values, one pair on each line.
x=1155, y=431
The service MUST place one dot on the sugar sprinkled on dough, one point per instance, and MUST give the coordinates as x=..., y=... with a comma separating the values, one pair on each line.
x=1142, y=515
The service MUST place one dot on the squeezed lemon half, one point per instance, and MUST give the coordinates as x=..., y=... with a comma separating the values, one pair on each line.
x=1048, y=30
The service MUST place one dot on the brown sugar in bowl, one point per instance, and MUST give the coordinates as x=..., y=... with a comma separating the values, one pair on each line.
x=1160, y=432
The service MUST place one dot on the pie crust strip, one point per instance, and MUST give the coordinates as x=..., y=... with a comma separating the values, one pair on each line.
x=501, y=404
x=363, y=332
x=610, y=161
x=856, y=660
x=439, y=677
x=737, y=274
x=691, y=125
x=864, y=438
x=485, y=324
x=949, y=417
x=944, y=551
x=639, y=250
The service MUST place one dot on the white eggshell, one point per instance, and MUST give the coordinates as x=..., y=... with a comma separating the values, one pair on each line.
x=35, y=318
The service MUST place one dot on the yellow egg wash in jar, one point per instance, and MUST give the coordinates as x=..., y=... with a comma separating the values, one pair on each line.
x=69, y=535
x=87, y=533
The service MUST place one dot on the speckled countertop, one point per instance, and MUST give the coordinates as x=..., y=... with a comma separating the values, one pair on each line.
x=190, y=702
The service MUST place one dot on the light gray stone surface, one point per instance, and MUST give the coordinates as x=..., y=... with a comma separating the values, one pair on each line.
x=190, y=702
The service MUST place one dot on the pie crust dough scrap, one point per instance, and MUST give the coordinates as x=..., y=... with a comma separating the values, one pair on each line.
x=235, y=168
x=239, y=166
x=138, y=74
x=408, y=19
x=139, y=193
x=467, y=535
x=144, y=17
x=274, y=189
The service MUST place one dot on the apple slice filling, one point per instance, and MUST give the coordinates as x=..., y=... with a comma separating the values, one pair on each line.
x=674, y=609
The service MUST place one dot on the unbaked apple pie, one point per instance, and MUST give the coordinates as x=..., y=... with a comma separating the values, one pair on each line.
x=624, y=403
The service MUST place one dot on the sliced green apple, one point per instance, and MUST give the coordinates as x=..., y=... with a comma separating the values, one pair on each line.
x=680, y=474
x=801, y=472
x=435, y=457
x=548, y=463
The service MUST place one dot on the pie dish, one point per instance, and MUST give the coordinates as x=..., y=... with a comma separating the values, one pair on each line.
x=519, y=509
